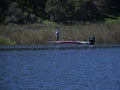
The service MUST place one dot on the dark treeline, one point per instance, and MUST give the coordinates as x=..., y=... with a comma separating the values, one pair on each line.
x=65, y=11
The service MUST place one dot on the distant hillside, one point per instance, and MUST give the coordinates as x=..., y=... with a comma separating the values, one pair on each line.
x=64, y=11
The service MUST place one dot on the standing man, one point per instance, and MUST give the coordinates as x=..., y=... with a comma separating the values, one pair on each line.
x=57, y=33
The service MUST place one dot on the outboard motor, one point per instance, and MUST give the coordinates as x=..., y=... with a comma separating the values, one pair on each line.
x=92, y=40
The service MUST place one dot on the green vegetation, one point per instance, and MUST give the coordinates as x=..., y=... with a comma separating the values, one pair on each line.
x=112, y=20
x=37, y=34
x=5, y=41
x=33, y=22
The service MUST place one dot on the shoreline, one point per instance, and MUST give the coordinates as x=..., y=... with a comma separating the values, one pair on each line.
x=53, y=47
x=40, y=34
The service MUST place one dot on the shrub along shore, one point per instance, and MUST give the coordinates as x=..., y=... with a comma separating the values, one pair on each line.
x=39, y=34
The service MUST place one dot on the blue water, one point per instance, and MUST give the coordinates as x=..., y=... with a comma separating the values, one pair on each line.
x=56, y=68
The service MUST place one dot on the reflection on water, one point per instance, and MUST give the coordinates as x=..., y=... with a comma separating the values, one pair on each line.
x=60, y=67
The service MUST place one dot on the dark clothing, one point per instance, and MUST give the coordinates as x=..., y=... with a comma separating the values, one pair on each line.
x=57, y=38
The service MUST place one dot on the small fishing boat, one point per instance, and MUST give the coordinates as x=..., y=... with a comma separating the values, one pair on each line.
x=91, y=41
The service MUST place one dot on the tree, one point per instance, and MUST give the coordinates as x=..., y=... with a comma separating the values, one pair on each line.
x=86, y=11
x=70, y=8
x=108, y=6
x=38, y=7
x=24, y=5
x=112, y=7
x=14, y=14
x=56, y=10
x=3, y=8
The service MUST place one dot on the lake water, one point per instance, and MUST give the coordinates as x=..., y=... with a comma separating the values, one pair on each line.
x=56, y=67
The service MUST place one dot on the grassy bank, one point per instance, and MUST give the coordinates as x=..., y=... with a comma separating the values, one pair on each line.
x=37, y=34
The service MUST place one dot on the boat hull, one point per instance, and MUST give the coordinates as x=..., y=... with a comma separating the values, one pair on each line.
x=70, y=42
